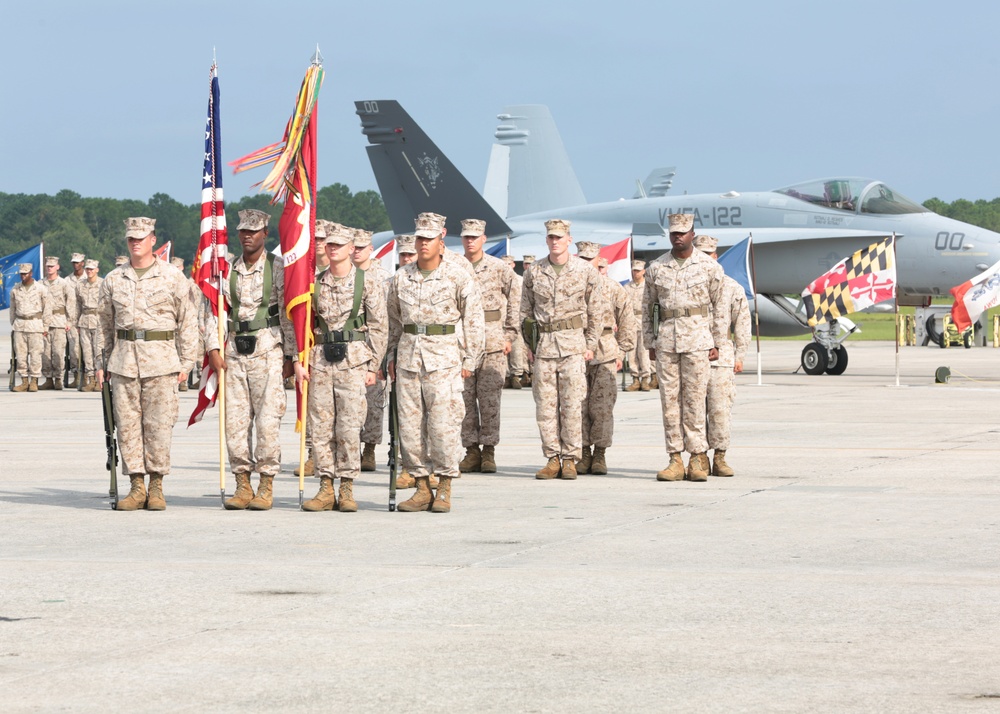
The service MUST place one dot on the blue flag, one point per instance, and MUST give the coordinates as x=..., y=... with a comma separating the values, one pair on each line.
x=736, y=264
x=499, y=249
x=9, y=271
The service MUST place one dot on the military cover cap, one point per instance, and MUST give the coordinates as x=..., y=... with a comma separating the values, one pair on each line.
x=338, y=234
x=51, y=260
x=253, y=220
x=322, y=230
x=587, y=250
x=120, y=260
x=602, y=262
x=91, y=264
x=429, y=225
x=509, y=260
x=77, y=258
x=406, y=244
x=706, y=244
x=681, y=222
x=638, y=265
x=362, y=238
x=473, y=227
x=139, y=227
x=557, y=227
x=528, y=259
x=25, y=268
x=177, y=262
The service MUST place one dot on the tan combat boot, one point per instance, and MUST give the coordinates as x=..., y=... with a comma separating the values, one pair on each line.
x=326, y=498
x=489, y=465
x=243, y=494
x=568, y=470
x=22, y=387
x=58, y=384
x=422, y=499
x=183, y=386
x=404, y=480
x=654, y=382
x=698, y=467
x=442, y=499
x=46, y=385
x=265, y=496
x=368, y=458
x=33, y=384
x=309, y=467
x=645, y=384
x=473, y=460
x=515, y=382
x=136, y=497
x=155, y=500
x=634, y=387
x=72, y=384
x=583, y=465
x=347, y=502
x=88, y=385
x=598, y=466
x=550, y=470
x=719, y=465
x=674, y=470
x=433, y=481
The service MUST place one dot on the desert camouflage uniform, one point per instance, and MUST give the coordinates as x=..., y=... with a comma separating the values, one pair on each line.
x=30, y=312
x=255, y=392
x=682, y=345
x=73, y=336
x=722, y=382
x=337, y=389
x=559, y=378
x=372, y=430
x=62, y=305
x=638, y=356
x=517, y=360
x=429, y=367
x=501, y=305
x=602, y=386
x=144, y=373
x=88, y=323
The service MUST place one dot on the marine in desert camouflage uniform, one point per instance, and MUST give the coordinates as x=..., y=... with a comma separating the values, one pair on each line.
x=501, y=299
x=436, y=336
x=62, y=305
x=638, y=356
x=88, y=294
x=563, y=296
x=617, y=337
x=258, y=355
x=683, y=288
x=343, y=363
x=144, y=309
x=30, y=312
x=79, y=275
x=732, y=352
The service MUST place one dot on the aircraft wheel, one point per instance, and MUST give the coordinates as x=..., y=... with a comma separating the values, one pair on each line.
x=838, y=365
x=967, y=339
x=814, y=358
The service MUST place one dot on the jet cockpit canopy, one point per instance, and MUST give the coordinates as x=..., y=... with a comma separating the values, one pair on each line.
x=857, y=195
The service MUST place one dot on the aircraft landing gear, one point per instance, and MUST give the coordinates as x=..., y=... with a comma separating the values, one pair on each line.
x=827, y=353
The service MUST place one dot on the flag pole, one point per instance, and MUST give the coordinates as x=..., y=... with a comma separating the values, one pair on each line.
x=220, y=303
x=756, y=314
x=895, y=305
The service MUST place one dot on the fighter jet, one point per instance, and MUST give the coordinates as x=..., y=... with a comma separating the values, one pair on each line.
x=799, y=231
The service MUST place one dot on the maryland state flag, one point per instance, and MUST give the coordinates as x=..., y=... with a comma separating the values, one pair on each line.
x=862, y=280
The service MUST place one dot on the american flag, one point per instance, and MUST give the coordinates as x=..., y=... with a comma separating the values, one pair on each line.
x=210, y=264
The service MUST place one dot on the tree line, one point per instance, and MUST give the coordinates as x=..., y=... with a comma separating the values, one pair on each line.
x=68, y=223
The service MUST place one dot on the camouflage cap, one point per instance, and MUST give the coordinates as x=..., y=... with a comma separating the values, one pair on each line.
x=473, y=227
x=120, y=260
x=602, y=262
x=681, y=222
x=638, y=265
x=509, y=260
x=91, y=264
x=429, y=225
x=25, y=268
x=177, y=262
x=338, y=234
x=706, y=244
x=557, y=227
x=528, y=259
x=52, y=260
x=587, y=250
x=406, y=244
x=253, y=220
x=362, y=238
x=139, y=227
x=78, y=258
x=322, y=230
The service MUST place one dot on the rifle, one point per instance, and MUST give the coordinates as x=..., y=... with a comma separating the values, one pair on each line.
x=66, y=364
x=656, y=319
x=80, y=371
x=393, y=444
x=109, y=437
x=13, y=363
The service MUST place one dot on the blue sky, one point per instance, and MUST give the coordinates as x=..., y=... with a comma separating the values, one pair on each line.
x=109, y=98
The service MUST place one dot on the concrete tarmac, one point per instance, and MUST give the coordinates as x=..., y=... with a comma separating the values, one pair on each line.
x=851, y=565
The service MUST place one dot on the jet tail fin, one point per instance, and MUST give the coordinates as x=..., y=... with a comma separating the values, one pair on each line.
x=413, y=174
